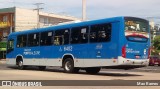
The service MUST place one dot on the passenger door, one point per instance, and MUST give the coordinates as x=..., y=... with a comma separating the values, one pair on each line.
x=10, y=48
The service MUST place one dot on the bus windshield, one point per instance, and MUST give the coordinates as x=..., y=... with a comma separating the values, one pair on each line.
x=136, y=30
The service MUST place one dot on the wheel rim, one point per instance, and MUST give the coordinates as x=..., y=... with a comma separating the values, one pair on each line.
x=20, y=64
x=68, y=66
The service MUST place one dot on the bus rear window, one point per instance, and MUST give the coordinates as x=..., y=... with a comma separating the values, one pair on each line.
x=136, y=29
x=137, y=39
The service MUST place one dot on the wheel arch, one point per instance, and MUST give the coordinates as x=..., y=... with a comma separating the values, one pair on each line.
x=19, y=57
x=68, y=55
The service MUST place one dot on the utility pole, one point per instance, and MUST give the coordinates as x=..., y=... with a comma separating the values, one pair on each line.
x=38, y=9
x=11, y=27
x=83, y=10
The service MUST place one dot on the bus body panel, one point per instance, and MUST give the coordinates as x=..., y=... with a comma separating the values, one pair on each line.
x=104, y=54
x=136, y=52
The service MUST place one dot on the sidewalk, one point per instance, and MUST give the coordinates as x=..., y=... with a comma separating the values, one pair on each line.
x=2, y=61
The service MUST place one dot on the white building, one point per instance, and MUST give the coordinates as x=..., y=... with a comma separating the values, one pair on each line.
x=18, y=19
x=24, y=19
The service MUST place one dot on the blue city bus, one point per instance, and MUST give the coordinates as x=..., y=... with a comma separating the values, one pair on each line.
x=118, y=42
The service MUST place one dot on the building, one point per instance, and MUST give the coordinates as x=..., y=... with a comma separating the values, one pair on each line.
x=18, y=19
x=155, y=29
x=152, y=30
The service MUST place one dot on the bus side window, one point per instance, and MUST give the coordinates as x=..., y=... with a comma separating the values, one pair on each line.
x=61, y=37
x=84, y=34
x=21, y=41
x=100, y=33
x=74, y=36
x=93, y=37
x=46, y=38
x=33, y=39
x=79, y=35
x=66, y=36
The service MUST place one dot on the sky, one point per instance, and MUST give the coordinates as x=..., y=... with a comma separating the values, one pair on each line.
x=96, y=9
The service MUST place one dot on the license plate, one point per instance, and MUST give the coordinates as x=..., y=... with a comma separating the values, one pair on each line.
x=137, y=57
x=156, y=63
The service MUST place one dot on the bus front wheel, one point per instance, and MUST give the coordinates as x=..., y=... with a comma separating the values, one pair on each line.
x=68, y=66
x=20, y=65
x=93, y=70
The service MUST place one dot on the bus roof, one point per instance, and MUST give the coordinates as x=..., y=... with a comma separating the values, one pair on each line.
x=70, y=25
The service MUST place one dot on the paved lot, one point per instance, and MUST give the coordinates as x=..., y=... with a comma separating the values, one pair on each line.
x=12, y=73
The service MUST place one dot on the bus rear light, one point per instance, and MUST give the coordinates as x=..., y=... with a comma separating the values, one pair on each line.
x=124, y=51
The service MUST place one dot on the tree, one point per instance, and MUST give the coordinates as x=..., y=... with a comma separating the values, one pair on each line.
x=156, y=46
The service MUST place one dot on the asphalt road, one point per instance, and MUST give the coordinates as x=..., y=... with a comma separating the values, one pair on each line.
x=56, y=73
x=152, y=69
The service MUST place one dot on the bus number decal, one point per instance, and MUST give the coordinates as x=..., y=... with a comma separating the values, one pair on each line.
x=68, y=48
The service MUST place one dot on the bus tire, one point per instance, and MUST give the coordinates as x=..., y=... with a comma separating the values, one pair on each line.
x=94, y=70
x=20, y=65
x=68, y=66
x=41, y=68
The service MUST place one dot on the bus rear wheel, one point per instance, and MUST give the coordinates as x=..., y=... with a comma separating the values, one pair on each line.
x=94, y=70
x=20, y=65
x=68, y=66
